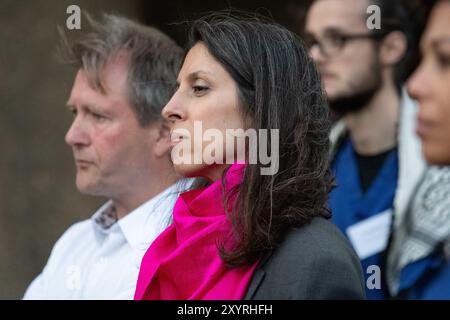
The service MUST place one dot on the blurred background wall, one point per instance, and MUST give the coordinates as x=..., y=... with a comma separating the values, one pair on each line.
x=38, y=197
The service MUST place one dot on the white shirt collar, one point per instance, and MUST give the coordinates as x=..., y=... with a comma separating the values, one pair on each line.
x=101, y=230
x=141, y=226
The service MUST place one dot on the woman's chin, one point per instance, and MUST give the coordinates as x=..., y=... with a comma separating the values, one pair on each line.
x=436, y=153
x=189, y=170
x=210, y=172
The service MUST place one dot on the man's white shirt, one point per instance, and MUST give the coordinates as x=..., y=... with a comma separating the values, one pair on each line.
x=100, y=258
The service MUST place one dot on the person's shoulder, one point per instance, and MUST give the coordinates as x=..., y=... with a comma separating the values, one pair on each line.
x=318, y=237
x=314, y=261
x=73, y=235
x=318, y=246
x=78, y=228
x=65, y=247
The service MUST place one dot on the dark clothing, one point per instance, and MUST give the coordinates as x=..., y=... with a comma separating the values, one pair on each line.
x=352, y=206
x=313, y=262
x=369, y=167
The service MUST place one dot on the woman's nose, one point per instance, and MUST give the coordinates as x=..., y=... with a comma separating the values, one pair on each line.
x=418, y=84
x=173, y=110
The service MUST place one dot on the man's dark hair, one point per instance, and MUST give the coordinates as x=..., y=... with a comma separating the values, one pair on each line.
x=408, y=17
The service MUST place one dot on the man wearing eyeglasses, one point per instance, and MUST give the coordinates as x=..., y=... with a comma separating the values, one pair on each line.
x=376, y=155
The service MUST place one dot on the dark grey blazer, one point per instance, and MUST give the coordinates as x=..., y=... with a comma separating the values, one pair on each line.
x=313, y=262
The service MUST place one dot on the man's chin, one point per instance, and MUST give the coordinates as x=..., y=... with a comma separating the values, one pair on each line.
x=88, y=188
x=347, y=104
x=329, y=87
x=335, y=95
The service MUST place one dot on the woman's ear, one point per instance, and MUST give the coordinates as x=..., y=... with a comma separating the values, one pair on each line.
x=393, y=48
x=162, y=145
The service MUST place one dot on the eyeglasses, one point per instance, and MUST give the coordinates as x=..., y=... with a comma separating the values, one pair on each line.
x=332, y=44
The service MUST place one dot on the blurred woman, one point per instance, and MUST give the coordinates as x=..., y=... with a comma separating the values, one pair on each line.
x=418, y=266
x=430, y=86
x=249, y=234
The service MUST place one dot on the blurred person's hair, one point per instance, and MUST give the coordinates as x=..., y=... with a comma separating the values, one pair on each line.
x=278, y=87
x=153, y=60
x=408, y=17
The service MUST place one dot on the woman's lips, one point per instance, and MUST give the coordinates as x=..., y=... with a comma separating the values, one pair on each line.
x=175, y=139
x=423, y=127
x=174, y=142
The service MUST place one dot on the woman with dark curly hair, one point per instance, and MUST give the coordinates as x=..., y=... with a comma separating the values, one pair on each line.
x=250, y=232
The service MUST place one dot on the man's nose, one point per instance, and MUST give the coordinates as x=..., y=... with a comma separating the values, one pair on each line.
x=77, y=134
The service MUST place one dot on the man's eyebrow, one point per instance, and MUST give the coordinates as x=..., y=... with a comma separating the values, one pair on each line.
x=333, y=30
x=88, y=107
x=327, y=32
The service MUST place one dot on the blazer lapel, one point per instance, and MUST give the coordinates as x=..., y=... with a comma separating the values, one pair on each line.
x=258, y=276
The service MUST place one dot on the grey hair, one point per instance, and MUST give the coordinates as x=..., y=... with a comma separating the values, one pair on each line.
x=154, y=61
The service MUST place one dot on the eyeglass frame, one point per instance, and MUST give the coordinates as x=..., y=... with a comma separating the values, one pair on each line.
x=345, y=38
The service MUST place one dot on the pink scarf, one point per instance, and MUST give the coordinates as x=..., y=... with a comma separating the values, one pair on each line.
x=183, y=262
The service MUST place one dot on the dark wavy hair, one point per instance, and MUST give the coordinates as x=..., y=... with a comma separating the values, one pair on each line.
x=278, y=88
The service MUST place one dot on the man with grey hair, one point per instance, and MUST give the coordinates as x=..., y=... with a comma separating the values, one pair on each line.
x=126, y=74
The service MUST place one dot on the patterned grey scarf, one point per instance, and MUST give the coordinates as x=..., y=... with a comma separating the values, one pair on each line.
x=426, y=225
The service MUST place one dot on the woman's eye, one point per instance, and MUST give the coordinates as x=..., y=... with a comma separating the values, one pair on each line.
x=200, y=89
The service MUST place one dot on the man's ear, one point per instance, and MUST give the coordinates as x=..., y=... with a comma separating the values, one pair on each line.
x=162, y=145
x=393, y=48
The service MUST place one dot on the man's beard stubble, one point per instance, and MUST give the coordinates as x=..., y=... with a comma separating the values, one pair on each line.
x=359, y=97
